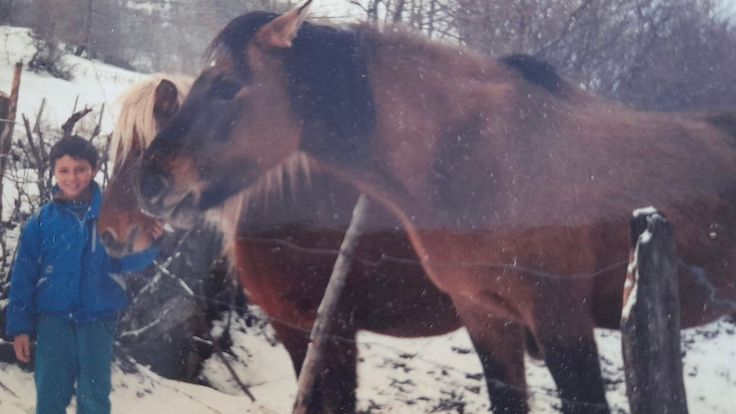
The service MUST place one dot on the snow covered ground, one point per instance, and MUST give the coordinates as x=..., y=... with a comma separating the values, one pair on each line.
x=431, y=375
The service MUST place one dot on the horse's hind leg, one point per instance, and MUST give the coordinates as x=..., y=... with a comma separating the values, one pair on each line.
x=575, y=367
x=334, y=389
x=499, y=344
x=571, y=355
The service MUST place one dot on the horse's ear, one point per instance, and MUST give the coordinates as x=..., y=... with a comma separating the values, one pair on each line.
x=166, y=101
x=282, y=30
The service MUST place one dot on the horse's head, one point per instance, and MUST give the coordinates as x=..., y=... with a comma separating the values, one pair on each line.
x=247, y=113
x=146, y=108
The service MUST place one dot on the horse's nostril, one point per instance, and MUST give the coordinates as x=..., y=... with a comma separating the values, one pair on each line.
x=153, y=184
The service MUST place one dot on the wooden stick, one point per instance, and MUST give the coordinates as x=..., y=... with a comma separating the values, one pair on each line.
x=14, y=93
x=74, y=108
x=36, y=125
x=37, y=158
x=323, y=325
x=98, y=127
x=650, y=321
x=218, y=352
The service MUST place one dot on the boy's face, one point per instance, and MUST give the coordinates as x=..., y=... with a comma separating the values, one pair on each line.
x=73, y=176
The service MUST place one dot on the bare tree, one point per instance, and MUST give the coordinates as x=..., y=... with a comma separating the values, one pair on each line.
x=651, y=54
x=434, y=18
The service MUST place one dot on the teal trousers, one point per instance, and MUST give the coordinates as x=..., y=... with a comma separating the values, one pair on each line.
x=70, y=353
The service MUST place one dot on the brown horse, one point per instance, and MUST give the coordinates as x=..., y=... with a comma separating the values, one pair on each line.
x=284, y=244
x=515, y=187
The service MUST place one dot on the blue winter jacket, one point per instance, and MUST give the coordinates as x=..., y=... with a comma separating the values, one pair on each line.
x=61, y=267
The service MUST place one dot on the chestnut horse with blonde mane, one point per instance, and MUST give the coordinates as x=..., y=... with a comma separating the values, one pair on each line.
x=284, y=245
x=514, y=186
x=146, y=107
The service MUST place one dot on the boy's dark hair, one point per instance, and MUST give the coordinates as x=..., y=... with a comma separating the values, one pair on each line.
x=75, y=147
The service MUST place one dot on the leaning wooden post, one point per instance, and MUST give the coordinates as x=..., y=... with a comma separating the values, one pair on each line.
x=9, y=106
x=324, y=323
x=650, y=321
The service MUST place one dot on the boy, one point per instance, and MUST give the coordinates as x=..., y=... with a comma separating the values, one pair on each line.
x=67, y=290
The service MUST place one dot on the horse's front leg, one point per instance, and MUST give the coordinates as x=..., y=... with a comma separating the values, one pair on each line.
x=334, y=389
x=499, y=344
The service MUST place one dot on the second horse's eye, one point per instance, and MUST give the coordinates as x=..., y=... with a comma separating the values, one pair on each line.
x=226, y=88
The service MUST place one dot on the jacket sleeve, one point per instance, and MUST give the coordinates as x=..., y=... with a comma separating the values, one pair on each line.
x=136, y=261
x=24, y=279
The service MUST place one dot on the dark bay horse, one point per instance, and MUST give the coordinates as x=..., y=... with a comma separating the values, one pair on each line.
x=514, y=186
x=283, y=244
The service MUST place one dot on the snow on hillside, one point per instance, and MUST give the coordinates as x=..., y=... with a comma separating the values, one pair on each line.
x=94, y=82
x=431, y=375
x=438, y=374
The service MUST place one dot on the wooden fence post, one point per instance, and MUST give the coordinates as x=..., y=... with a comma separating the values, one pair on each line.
x=323, y=325
x=650, y=321
x=8, y=108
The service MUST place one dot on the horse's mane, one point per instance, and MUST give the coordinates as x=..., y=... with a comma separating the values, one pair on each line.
x=536, y=71
x=234, y=37
x=327, y=79
x=136, y=120
x=293, y=173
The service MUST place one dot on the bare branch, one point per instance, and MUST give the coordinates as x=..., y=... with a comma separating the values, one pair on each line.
x=39, y=115
x=98, y=127
x=68, y=126
x=37, y=159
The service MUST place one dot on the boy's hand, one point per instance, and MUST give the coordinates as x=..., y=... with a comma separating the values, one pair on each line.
x=22, y=346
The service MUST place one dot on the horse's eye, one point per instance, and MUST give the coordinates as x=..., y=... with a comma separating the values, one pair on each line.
x=226, y=89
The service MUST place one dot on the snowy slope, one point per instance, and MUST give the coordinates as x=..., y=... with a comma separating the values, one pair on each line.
x=439, y=374
x=94, y=82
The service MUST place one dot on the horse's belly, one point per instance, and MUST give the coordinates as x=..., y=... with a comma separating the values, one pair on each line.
x=515, y=273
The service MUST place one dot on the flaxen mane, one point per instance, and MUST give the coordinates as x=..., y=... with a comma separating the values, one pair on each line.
x=136, y=120
x=292, y=176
